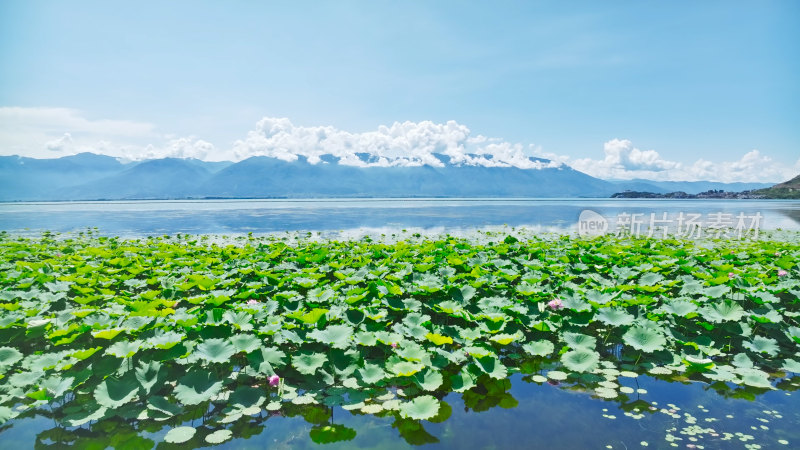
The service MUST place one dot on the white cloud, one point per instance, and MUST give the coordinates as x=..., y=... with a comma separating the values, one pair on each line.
x=56, y=132
x=624, y=161
x=399, y=144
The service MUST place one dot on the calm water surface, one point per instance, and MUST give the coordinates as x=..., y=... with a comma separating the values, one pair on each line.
x=141, y=218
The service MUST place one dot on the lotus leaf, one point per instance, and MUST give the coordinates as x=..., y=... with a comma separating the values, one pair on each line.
x=215, y=350
x=219, y=436
x=308, y=363
x=179, y=435
x=420, y=408
x=645, y=339
x=196, y=387
x=337, y=336
x=115, y=392
x=581, y=360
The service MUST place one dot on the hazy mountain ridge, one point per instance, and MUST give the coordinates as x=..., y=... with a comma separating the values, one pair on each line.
x=89, y=176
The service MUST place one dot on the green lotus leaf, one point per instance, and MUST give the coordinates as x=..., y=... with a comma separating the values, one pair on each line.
x=78, y=418
x=402, y=368
x=327, y=434
x=115, y=392
x=793, y=333
x=246, y=397
x=107, y=334
x=438, y=339
x=219, y=436
x=644, y=339
x=371, y=373
x=46, y=361
x=791, y=365
x=492, y=367
x=723, y=311
x=309, y=317
x=462, y=381
x=162, y=405
x=761, y=344
x=577, y=340
x=755, y=378
x=581, y=360
x=678, y=307
x=420, y=408
x=179, y=435
x=576, y=304
x=505, y=338
x=411, y=351
x=6, y=414
x=366, y=338
x=337, y=336
x=57, y=386
x=215, y=350
x=149, y=373
x=124, y=349
x=240, y=320
x=539, y=348
x=8, y=357
x=308, y=363
x=245, y=342
x=742, y=360
x=615, y=317
x=601, y=298
x=197, y=386
x=428, y=379
x=266, y=359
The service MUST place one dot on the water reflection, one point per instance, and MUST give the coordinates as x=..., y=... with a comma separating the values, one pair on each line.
x=540, y=405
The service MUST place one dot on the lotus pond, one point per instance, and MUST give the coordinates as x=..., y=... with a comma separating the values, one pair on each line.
x=194, y=341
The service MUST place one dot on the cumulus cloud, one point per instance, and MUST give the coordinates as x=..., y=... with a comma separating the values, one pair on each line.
x=623, y=161
x=56, y=132
x=398, y=144
x=62, y=144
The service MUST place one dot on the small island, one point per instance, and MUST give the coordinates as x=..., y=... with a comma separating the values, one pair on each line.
x=787, y=190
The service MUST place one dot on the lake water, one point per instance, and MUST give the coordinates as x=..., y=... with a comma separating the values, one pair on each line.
x=235, y=217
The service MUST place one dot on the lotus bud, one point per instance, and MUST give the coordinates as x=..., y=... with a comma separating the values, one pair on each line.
x=274, y=380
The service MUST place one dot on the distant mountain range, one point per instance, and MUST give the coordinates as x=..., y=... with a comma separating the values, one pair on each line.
x=88, y=176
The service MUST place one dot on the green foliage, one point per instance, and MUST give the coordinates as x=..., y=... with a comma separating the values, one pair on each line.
x=157, y=331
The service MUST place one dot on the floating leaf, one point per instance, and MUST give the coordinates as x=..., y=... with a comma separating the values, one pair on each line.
x=581, y=360
x=761, y=344
x=113, y=392
x=8, y=357
x=614, y=316
x=337, y=336
x=420, y=408
x=644, y=338
x=179, y=435
x=215, y=350
x=577, y=340
x=219, y=436
x=308, y=363
x=539, y=348
x=197, y=386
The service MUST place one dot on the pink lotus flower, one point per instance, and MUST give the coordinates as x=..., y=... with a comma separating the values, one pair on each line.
x=394, y=344
x=782, y=273
x=252, y=302
x=274, y=380
x=555, y=303
x=731, y=275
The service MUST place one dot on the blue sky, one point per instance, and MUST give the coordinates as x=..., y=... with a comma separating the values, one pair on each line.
x=663, y=90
